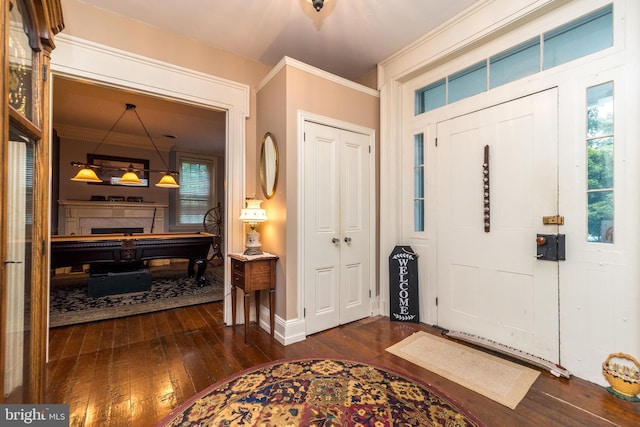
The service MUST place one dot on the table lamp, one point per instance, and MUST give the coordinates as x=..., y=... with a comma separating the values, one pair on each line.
x=253, y=215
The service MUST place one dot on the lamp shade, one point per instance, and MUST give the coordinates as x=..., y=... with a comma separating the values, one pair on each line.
x=86, y=175
x=130, y=178
x=167, y=181
x=253, y=214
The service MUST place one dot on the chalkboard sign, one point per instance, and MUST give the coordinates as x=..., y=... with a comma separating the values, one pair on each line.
x=403, y=285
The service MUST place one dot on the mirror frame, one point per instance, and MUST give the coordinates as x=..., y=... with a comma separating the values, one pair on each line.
x=268, y=139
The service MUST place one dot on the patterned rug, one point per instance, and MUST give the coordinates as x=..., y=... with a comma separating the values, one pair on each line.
x=73, y=305
x=319, y=392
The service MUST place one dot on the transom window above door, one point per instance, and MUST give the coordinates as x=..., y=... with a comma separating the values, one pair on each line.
x=576, y=39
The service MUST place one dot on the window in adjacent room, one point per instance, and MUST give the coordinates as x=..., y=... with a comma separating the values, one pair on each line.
x=196, y=194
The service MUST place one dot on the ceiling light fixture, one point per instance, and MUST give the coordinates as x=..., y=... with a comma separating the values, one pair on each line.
x=130, y=176
x=317, y=4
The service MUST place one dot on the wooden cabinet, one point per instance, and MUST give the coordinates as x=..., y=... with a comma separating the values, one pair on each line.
x=28, y=27
x=253, y=274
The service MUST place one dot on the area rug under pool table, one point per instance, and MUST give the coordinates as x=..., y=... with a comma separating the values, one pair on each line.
x=320, y=392
x=72, y=305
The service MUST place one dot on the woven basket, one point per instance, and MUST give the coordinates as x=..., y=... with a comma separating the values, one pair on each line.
x=623, y=379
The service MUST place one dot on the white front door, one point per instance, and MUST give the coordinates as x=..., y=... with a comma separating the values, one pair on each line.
x=490, y=283
x=336, y=226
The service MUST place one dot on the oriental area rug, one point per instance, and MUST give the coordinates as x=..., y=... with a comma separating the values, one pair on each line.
x=319, y=392
x=498, y=379
x=72, y=305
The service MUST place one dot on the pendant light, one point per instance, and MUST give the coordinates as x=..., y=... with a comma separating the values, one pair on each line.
x=130, y=177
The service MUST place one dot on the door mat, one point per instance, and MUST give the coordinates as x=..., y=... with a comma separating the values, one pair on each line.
x=498, y=379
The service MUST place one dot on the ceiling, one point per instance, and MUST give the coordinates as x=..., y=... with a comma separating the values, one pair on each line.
x=347, y=38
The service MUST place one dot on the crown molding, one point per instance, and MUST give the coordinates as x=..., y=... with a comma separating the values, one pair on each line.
x=288, y=61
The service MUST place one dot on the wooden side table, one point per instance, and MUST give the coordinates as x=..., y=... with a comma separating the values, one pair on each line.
x=253, y=273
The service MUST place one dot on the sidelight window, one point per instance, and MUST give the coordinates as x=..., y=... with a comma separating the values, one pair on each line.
x=599, y=146
x=418, y=182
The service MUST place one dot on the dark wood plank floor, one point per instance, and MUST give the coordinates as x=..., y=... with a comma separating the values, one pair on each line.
x=133, y=371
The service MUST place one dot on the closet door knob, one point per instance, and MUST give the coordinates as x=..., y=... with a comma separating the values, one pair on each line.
x=335, y=240
x=347, y=239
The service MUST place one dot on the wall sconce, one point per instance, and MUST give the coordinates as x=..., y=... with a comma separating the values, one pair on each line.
x=130, y=177
x=253, y=214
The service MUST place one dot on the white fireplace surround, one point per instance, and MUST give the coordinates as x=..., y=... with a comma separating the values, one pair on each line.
x=81, y=216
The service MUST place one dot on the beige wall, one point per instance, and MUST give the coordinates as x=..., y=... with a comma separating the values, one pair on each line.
x=99, y=26
x=271, y=117
x=294, y=89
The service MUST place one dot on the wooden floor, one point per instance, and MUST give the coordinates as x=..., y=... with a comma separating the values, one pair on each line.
x=133, y=371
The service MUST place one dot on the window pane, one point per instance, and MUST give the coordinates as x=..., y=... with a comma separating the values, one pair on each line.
x=418, y=150
x=600, y=216
x=468, y=82
x=418, y=182
x=600, y=163
x=418, y=215
x=515, y=63
x=194, y=194
x=600, y=110
x=431, y=97
x=579, y=38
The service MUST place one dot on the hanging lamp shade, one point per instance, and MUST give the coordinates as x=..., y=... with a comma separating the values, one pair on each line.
x=130, y=178
x=167, y=181
x=86, y=175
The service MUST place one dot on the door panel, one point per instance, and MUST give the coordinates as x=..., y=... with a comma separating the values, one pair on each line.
x=336, y=227
x=490, y=283
x=321, y=215
x=355, y=239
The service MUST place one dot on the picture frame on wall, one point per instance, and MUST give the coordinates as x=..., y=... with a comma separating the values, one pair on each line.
x=112, y=168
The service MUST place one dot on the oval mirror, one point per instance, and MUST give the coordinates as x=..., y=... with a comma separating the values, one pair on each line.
x=269, y=165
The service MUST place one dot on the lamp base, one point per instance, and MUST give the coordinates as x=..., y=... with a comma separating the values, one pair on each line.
x=253, y=244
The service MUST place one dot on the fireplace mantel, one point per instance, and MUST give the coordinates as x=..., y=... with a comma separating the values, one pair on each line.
x=82, y=215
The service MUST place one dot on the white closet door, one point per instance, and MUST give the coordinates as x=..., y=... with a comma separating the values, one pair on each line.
x=336, y=226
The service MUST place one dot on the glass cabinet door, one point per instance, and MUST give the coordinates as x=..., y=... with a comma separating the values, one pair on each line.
x=18, y=267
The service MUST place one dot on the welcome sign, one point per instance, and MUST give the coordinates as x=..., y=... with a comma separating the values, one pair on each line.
x=403, y=285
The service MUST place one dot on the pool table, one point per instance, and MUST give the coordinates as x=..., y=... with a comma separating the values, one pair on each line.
x=120, y=250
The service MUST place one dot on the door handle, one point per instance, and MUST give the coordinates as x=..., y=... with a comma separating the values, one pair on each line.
x=347, y=239
x=335, y=240
x=12, y=262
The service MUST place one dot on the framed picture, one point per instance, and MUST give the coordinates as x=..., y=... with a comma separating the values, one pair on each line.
x=112, y=168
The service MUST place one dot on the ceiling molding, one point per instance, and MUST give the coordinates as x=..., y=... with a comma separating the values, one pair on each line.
x=288, y=61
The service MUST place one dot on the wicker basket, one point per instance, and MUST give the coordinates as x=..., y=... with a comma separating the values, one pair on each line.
x=623, y=379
